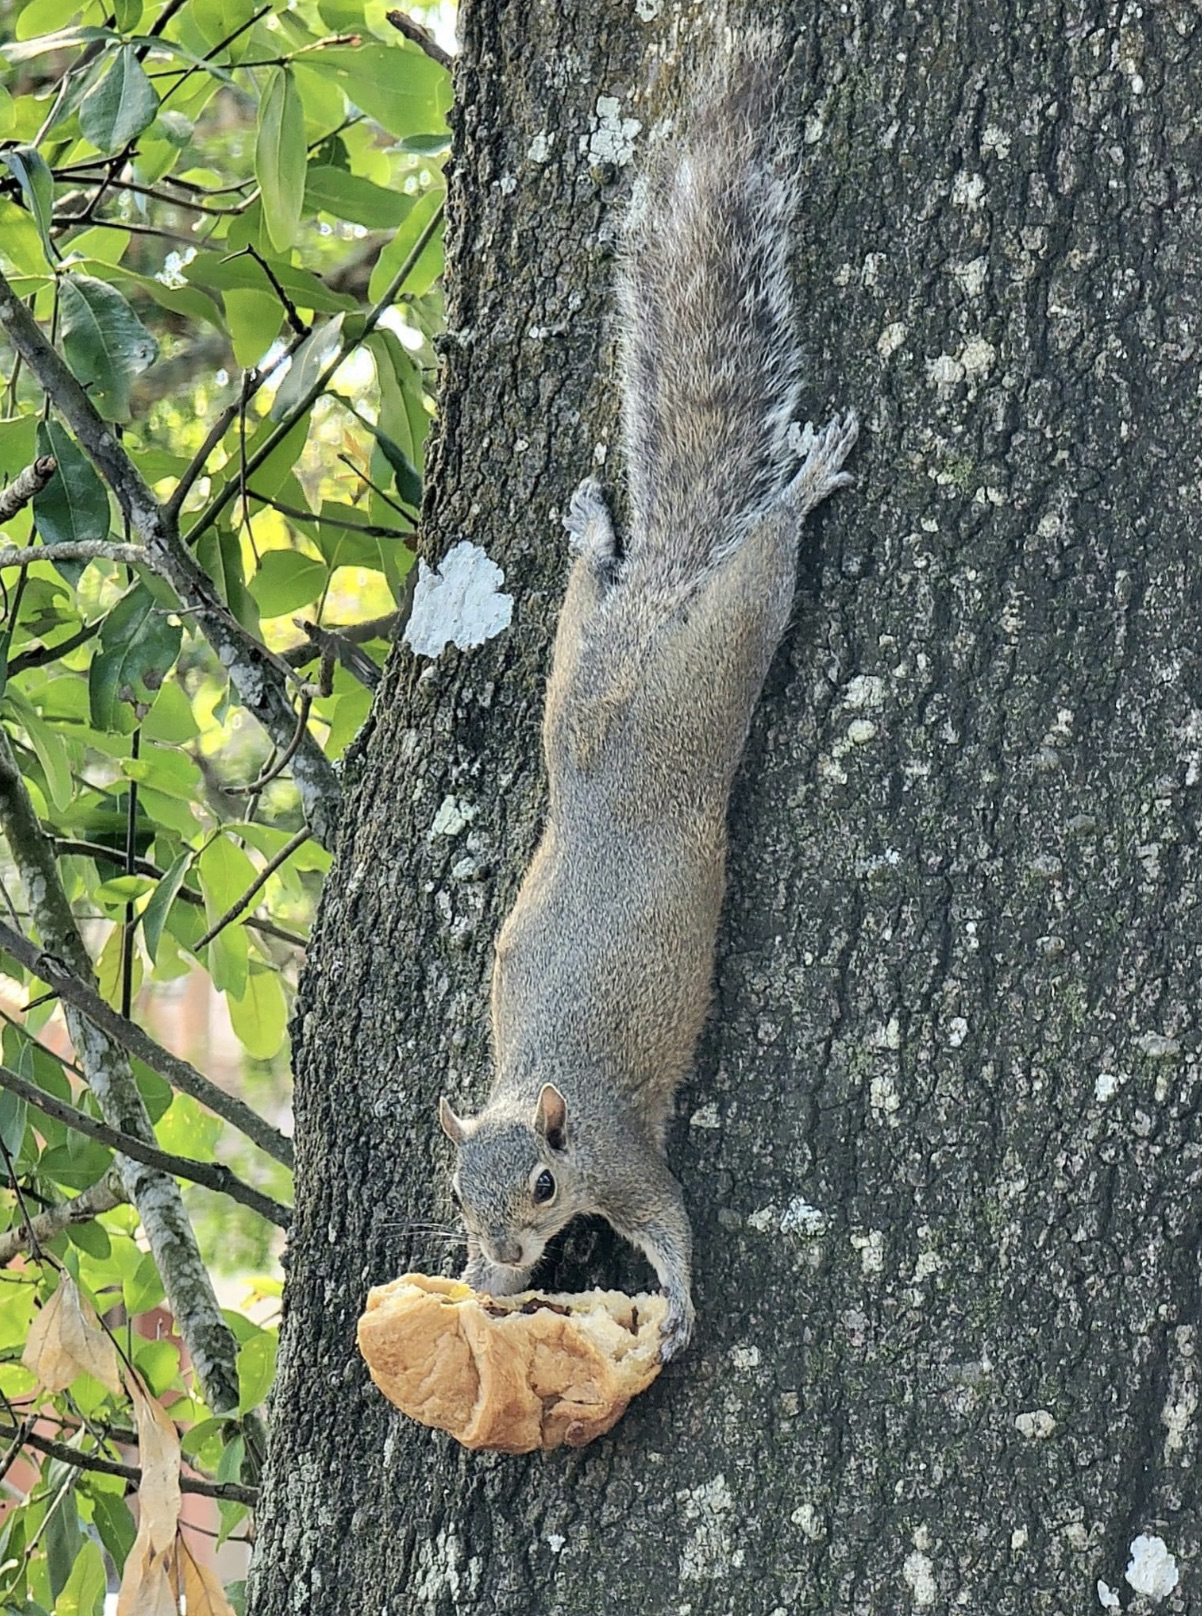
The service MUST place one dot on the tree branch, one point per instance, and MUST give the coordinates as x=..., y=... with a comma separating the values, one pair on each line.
x=233, y=1491
x=213, y=1175
x=132, y=555
x=26, y=485
x=100, y=1197
x=414, y=31
x=74, y=991
x=258, y=676
x=156, y=1195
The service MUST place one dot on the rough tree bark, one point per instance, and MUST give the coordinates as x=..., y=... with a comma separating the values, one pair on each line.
x=942, y=1148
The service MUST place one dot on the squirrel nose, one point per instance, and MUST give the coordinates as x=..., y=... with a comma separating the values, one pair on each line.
x=500, y=1248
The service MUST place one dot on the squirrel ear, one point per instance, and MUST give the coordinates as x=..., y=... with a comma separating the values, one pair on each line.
x=452, y=1126
x=551, y=1117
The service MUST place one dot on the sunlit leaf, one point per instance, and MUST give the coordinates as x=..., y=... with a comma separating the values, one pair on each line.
x=347, y=196
x=280, y=157
x=120, y=104
x=399, y=86
x=260, y=1016
x=106, y=344
x=165, y=893
x=287, y=580
x=428, y=266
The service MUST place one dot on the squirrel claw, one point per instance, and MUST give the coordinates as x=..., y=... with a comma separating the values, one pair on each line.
x=589, y=525
x=677, y=1329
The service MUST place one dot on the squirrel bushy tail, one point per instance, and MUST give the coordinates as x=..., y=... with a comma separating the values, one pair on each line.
x=709, y=343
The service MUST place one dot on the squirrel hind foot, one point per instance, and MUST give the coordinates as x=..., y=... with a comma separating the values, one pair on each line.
x=590, y=528
x=823, y=455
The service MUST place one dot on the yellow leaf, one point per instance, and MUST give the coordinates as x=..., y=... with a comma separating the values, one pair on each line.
x=203, y=1594
x=149, y=1586
x=158, y=1456
x=66, y=1340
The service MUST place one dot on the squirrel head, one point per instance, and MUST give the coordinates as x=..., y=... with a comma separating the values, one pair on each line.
x=516, y=1184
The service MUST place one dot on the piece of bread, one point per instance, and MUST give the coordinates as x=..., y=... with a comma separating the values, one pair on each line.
x=512, y=1373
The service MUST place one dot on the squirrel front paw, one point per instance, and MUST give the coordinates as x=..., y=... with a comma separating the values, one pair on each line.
x=677, y=1329
x=823, y=455
x=490, y=1279
x=590, y=527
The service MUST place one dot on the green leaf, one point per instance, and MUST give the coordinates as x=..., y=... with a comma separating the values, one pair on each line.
x=137, y=648
x=408, y=478
x=187, y=1129
x=306, y=366
x=83, y=1592
x=399, y=87
x=428, y=267
x=159, y=1363
x=91, y=1237
x=25, y=50
x=254, y=320
x=119, y=105
x=280, y=157
x=145, y=1289
x=8, y=112
x=127, y=14
x=225, y=874
x=256, y=1371
x=260, y=1016
x=243, y=274
x=105, y=343
x=37, y=186
x=287, y=580
x=113, y=1520
x=165, y=893
x=12, y=1122
x=220, y=554
x=63, y=1539
x=347, y=196
x=73, y=508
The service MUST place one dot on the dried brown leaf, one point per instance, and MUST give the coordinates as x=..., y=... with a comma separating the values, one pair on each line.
x=66, y=1340
x=158, y=1455
x=203, y=1593
x=150, y=1585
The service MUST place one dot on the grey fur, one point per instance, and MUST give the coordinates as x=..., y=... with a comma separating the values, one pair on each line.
x=602, y=974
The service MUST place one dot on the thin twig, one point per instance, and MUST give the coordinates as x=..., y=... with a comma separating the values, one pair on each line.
x=290, y=309
x=181, y=1074
x=26, y=485
x=254, y=669
x=331, y=645
x=418, y=35
x=38, y=655
x=213, y=1175
x=233, y=1491
x=100, y=1197
x=287, y=421
x=143, y=866
x=285, y=757
x=131, y=555
x=256, y=886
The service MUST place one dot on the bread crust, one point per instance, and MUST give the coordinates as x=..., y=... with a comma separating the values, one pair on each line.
x=511, y=1373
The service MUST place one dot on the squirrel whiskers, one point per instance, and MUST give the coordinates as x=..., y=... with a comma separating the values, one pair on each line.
x=602, y=975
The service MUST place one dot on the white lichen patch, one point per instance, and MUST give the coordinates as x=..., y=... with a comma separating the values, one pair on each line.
x=971, y=276
x=708, y=1551
x=919, y=1573
x=978, y=356
x=957, y=1031
x=763, y=1219
x=611, y=139
x=1157, y=1047
x=1105, y=1087
x=860, y=731
x=452, y=816
x=886, y=1037
x=883, y=1096
x=799, y=1217
x=745, y=1357
x=458, y=603
x=539, y=149
x=871, y=1247
x=705, y=1116
x=968, y=191
x=810, y=1521
x=1151, y=1570
x=996, y=140
x=890, y=338
x=865, y=690
x=944, y=371
x=1035, y=1424
x=648, y=10
x=1107, y=1597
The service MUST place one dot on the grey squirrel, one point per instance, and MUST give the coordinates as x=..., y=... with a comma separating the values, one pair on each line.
x=602, y=975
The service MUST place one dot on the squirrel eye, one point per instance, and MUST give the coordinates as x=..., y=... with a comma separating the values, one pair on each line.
x=544, y=1187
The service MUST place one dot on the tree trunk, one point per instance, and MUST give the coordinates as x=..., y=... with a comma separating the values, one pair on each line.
x=942, y=1145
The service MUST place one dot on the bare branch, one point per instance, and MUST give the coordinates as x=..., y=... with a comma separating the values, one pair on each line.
x=329, y=643
x=213, y=1175
x=100, y=1197
x=131, y=555
x=156, y=1195
x=259, y=677
x=256, y=886
x=73, y=990
x=234, y=1491
x=26, y=485
x=414, y=31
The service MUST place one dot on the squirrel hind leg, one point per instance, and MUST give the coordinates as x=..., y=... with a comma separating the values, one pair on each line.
x=823, y=455
x=591, y=531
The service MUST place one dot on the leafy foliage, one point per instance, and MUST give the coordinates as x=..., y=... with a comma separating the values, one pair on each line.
x=226, y=217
